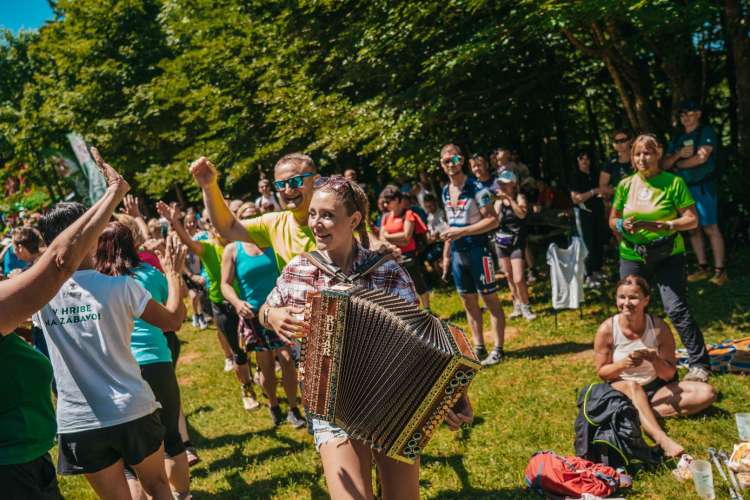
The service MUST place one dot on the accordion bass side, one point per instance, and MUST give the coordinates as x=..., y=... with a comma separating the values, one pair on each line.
x=382, y=369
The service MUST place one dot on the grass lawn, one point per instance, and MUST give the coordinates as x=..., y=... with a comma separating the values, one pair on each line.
x=526, y=404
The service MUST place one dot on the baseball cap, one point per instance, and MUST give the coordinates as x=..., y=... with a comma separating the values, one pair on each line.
x=507, y=176
x=688, y=105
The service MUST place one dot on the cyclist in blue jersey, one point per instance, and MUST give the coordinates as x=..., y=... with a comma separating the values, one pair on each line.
x=471, y=218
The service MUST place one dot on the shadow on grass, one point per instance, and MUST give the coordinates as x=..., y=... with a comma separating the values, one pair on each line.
x=542, y=351
x=266, y=488
x=464, y=489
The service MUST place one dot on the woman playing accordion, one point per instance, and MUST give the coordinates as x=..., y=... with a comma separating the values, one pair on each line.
x=338, y=210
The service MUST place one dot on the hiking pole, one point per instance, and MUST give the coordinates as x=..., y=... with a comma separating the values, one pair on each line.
x=732, y=476
x=717, y=464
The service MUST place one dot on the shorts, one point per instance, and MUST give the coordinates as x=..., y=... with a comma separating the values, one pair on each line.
x=706, y=202
x=652, y=387
x=31, y=480
x=227, y=321
x=512, y=252
x=90, y=451
x=415, y=268
x=256, y=338
x=325, y=431
x=473, y=270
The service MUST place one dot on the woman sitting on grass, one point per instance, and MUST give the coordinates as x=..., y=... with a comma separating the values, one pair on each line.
x=635, y=352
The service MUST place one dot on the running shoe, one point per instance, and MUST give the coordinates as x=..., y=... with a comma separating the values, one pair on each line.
x=192, y=456
x=495, y=357
x=195, y=320
x=202, y=323
x=228, y=365
x=248, y=398
x=294, y=417
x=276, y=415
x=527, y=313
x=703, y=273
x=516, y=311
x=719, y=278
x=697, y=374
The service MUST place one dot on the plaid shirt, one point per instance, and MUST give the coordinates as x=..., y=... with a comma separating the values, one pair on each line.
x=301, y=276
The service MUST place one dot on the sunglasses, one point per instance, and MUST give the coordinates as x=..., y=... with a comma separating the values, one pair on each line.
x=293, y=182
x=622, y=141
x=453, y=160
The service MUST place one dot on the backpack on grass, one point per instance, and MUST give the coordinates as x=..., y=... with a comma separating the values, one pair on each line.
x=550, y=474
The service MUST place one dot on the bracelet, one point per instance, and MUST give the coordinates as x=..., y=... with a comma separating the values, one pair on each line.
x=619, y=225
x=265, y=316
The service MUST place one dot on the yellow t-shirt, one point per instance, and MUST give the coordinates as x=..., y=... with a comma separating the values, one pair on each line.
x=281, y=232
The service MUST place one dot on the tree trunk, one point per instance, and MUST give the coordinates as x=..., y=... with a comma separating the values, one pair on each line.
x=736, y=28
x=732, y=81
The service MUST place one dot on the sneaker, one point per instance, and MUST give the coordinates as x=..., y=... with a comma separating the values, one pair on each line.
x=248, y=398
x=294, y=417
x=202, y=323
x=527, y=313
x=719, y=278
x=228, y=365
x=495, y=357
x=195, y=321
x=697, y=374
x=192, y=456
x=703, y=273
x=276, y=415
x=516, y=311
x=480, y=352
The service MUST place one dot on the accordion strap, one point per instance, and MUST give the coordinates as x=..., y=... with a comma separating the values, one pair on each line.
x=321, y=262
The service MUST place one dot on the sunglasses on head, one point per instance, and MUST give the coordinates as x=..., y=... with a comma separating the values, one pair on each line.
x=338, y=183
x=293, y=182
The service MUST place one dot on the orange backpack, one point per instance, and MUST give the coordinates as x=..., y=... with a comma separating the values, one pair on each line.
x=549, y=473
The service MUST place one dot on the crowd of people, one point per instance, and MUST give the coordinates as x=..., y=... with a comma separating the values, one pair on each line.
x=107, y=292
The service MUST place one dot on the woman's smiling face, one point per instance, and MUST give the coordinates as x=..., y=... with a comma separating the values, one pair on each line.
x=331, y=225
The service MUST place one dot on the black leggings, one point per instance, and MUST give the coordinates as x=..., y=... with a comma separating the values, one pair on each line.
x=227, y=321
x=174, y=346
x=163, y=382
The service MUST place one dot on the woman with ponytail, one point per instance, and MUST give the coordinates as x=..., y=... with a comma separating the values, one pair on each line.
x=338, y=210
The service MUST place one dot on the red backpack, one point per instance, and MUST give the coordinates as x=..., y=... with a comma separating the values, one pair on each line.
x=549, y=473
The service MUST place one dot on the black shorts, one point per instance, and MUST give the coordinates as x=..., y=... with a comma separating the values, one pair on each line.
x=90, y=451
x=163, y=382
x=227, y=321
x=512, y=252
x=35, y=480
x=656, y=384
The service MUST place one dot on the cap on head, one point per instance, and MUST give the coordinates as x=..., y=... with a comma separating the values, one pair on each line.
x=507, y=176
x=688, y=105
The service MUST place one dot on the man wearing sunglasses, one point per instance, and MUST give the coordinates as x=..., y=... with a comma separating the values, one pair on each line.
x=692, y=154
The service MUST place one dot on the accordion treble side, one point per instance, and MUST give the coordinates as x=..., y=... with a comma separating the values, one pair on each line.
x=382, y=369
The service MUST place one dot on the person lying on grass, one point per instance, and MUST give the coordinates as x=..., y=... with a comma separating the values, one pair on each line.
x=635, y=353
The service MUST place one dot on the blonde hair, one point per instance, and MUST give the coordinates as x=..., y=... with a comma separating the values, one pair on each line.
x=353, y=199
x=129, y=222
x=647, y=141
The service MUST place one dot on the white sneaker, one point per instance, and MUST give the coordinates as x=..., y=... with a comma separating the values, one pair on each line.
x=228, y=365
x=697, y=374
x=202, y=324
x=526, y=311
x=249, y=403
x=195, y=321
x=516, y=310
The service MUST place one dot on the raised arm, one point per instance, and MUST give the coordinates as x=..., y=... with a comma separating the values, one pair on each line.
x=22, y=296
x=130, y=205
x=228, y=226
x=173, y=216
x=169, y=317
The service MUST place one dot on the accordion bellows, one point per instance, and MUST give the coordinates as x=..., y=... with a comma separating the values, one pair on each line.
x=382, y=369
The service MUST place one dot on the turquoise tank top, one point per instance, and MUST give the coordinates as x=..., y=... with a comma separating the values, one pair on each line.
x=256, y=275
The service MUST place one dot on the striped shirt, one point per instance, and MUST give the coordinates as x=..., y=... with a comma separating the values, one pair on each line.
x=301, y=276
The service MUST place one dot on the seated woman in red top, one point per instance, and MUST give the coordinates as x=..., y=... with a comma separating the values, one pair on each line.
x=398, y=227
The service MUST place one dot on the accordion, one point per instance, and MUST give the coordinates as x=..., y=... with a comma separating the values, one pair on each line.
x=380, y=368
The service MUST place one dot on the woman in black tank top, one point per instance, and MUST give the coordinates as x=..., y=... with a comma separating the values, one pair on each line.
x=510, y=241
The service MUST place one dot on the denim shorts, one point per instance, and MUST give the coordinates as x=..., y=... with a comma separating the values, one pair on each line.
x=325, y=431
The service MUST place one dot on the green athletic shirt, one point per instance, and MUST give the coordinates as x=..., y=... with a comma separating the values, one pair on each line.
x=27, y=417
x=280, y=231
x=211, y=259
x=656, y=199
